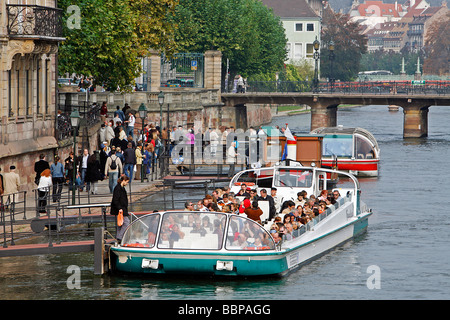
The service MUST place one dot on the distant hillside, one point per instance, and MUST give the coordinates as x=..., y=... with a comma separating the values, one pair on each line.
x=345, y=5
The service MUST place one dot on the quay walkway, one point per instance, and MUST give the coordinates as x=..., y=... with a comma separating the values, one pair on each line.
x=69, y=227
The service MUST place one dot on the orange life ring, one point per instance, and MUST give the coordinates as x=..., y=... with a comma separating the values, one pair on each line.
x=246, y=183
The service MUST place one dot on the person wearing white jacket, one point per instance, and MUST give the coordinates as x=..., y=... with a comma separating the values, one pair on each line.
x=45, y=184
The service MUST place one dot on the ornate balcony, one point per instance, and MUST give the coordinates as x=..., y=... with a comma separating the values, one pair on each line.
x=34, y=22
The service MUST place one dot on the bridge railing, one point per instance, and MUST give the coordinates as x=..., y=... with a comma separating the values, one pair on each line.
x=423, y=87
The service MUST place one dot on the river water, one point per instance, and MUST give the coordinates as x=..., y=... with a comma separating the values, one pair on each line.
x=406, y=246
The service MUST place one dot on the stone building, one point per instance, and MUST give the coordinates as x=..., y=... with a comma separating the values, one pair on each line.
x=29, y=35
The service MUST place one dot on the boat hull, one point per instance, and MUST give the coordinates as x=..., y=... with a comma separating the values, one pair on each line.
x=249, y=263
x=358, y=167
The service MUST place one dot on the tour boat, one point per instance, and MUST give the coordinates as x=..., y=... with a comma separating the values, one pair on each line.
x=354, y=150
x=224, y=244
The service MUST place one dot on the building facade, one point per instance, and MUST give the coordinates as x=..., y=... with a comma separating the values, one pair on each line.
x=29, y=35
x=302, y=25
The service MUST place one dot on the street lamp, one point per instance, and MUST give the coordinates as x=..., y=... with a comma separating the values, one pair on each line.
x=143, y=115
x=75, y=121
x=316, y=56
x=161, y=102
x=331, y=49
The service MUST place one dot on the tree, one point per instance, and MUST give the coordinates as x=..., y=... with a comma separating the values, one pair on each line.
x=248, y=34
x=112, y=37
x=437, y=47
x=350, y=45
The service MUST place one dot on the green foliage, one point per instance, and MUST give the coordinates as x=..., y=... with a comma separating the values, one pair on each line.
x=248, y=34
x=114, y=35
x=350, y=45
x=391, y=61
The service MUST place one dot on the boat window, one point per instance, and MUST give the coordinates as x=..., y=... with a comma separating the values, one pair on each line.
x=142, y=232
x=245, y=234
x=364, y=149
x=247, y=177
x=264, y=178
x=337, y=145
x=293, y=178
x=192, y=230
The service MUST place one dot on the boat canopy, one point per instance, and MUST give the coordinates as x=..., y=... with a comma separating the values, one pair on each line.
x=345, y=142
x=191, y=230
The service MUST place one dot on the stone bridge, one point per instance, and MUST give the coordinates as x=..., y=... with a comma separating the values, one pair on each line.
x=324, y=105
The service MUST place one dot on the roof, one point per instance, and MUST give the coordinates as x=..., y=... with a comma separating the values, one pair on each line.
x=368, y=8
x=290, y=8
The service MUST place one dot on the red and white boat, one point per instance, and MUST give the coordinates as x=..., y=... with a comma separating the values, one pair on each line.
x=354, y=150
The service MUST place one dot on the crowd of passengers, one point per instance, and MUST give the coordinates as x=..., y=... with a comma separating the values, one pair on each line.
x=285, y=217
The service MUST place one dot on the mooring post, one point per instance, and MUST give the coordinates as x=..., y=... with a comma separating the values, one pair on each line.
x=99, y=249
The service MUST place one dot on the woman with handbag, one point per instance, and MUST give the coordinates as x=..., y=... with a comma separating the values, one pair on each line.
x=119, y=205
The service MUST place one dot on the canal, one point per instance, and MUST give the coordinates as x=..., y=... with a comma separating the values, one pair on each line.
x=405, y=247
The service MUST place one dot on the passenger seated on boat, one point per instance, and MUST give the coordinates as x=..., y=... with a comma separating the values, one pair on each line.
x=288, y=206
x=323, y=195
x=336, y=195
x=224, y=201
x=234, y=208
x=206, y=224
x=198, y=228
x=253, y=195
x=243, y=191
x=241, y=241
x=201, y=206
x=287, y=218
x=307, y=209
x=218, y=229
x=315, y=212
x=300, y=201
x=246, y=203
x=322, y=207
x=176, y=234
x=254, y=212
x=275, y=235
x=275, y=223
x=188, y=206
x=284, y=234
x=289, y=228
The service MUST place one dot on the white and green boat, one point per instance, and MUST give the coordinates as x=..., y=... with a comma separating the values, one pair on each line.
x=223, y=244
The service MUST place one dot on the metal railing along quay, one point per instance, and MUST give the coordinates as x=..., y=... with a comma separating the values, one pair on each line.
x=410, y=87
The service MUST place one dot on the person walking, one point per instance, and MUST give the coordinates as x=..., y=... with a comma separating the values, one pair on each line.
x=40, y=166
x=119, y=203
x=83, y=159
x=11, y=181
x=69, y=166
x=113, y=168
x=130, y=124
x=130, y=161
x=2, y=186
x=57, y=172
x=45, y=183
x=214, y=138
x=231, y=158
x=109, y=133
x=93, y=173
x=139, y=161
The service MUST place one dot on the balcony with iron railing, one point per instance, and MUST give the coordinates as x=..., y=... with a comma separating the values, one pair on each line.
x=34, y=22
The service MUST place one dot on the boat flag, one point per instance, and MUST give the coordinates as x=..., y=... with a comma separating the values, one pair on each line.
x=288, y=134
x=289, y=137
